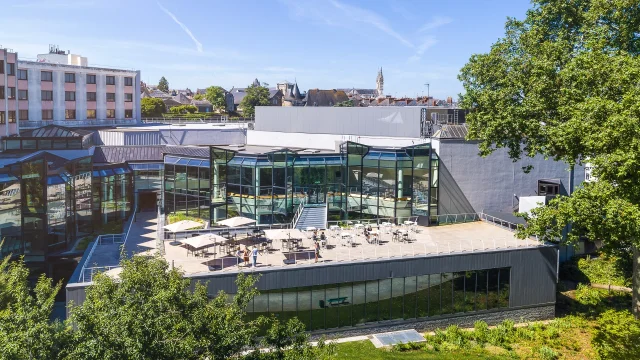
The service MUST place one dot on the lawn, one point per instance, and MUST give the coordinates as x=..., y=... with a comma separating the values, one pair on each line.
x=569, y=336
x=366, y=350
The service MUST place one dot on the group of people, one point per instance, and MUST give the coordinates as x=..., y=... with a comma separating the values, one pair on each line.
x=244, y=255
x=367, y=233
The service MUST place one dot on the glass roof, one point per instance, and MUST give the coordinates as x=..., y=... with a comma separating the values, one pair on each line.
x=186, y=161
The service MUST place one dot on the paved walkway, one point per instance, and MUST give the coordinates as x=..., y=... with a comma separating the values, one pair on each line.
x=142, y=235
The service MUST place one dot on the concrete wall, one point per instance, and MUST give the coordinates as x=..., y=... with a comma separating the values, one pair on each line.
x=489, y=184
x=171, y=137
x=370, y=121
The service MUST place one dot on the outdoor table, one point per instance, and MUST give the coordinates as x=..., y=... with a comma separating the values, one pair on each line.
x=409, y=222
x=311, y=228
x=386, y=224
x=358, y=226
x=334, y=227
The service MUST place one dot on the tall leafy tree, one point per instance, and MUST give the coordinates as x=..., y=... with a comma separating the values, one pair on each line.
x=163, y=84
x=153, y=312
x=255, y=96
x=26, y=331
x=152, y=107
x=563, y=83
x=215, y=95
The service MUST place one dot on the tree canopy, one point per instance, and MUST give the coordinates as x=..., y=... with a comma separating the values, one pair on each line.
x=215, y=95
x=563, y=83
x=150, y=312
x=152, y=107
x=255, y=96
x=163, y=85
x=183, y=109
x=26, y=331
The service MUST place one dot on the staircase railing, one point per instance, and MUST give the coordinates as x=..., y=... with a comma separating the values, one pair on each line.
x=296, y=216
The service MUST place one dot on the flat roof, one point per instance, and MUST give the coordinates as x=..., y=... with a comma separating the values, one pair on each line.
x=243, y=149
x=472, y=237
x=194, y=126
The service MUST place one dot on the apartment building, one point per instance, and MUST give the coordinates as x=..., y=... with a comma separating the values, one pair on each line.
x=58, y=88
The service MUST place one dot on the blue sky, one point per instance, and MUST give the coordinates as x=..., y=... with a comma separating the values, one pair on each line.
x=322, y=43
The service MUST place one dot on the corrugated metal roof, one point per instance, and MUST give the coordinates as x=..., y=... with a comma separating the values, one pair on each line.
x=120, y=154
x=452, y=132
x=192, y=151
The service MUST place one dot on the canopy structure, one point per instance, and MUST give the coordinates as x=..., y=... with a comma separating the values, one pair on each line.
x=203, y=241
x=283, y=234
x=236, y=221
x=182, y=225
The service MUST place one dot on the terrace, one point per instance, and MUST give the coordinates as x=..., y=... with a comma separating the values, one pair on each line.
x=343, y=244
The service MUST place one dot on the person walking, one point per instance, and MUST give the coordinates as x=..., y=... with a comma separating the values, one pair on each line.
x=254, y=255
x=245, y=256
x=316, y=246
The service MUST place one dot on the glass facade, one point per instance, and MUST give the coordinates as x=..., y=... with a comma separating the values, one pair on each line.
x=359, y=182
x=147, y=176
x=355, y=303
x=187, y=186
x=112, y=193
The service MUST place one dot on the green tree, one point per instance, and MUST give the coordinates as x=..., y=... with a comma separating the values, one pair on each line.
x=563, y=83
x=184, y=109
x=163, y=85
x=617, y=336
x=152, y=107
x=26, y=331
x=153, y=312
x=348, y=103
x=198, y=97
x=215, y=95
x=255, y=96
x=289, y=341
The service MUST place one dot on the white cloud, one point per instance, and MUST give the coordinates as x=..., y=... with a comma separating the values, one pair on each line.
x=337, y=14
x=427, y=43
x=436, y=22
x=183, y=26
x=371, y=18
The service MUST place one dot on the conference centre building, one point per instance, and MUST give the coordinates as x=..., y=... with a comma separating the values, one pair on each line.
x=416, y=230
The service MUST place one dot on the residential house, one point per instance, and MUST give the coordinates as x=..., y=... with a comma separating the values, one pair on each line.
x=317, y=97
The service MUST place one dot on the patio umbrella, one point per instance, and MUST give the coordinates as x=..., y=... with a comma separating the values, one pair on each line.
x=182, y=225
x=203, y=241
x=236, y=221
x=283, y=234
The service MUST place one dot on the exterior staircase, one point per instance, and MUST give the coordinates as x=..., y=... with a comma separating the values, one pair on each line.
x=313, y=215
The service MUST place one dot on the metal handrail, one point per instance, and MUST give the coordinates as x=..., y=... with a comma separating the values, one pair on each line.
x=125, y=236
x=299, y=211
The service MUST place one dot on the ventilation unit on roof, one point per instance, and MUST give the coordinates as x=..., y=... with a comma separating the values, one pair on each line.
x=236, y=145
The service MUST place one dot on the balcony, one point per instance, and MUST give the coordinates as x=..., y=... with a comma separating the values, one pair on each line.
x=34, y=124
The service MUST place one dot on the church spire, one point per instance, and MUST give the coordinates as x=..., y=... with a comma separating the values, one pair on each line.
x=380, y=84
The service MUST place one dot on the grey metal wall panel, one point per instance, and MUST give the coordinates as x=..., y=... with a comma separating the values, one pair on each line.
x=533, y=273
x=378, y=121
x=489, y=184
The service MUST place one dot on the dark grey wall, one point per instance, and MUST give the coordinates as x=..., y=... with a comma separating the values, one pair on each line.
x=488, y=184
x=533, y=273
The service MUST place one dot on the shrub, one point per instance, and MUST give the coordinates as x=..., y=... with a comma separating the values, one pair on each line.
x=617, y=336
x=410, y=346
x=503, y=334
x=480, y=333
x=588, y=296
x=600, y=270
x=546, y=353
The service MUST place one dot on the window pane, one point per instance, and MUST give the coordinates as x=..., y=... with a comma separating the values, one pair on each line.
x=504, y=289
x=493, y=288
x=345, y=307
x=332, y=313
x=459, y=292
x=434, y=294
x=470, y=291
x=385, y=299
x=359, y=303
x=304, y=306
x=275, y=302
x=318, y=308
x=481, y=292
x=410, y=297
x=422, y=294
x=372, y=301
x=397, y=298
